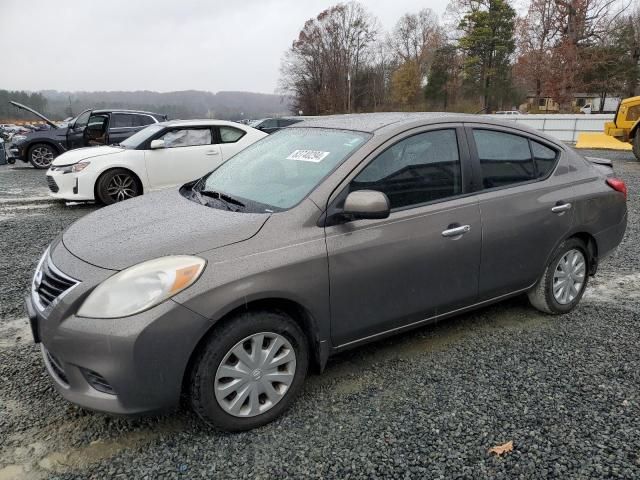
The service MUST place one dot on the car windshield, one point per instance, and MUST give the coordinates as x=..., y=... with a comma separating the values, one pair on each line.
x=137, y=139
x=280, y=170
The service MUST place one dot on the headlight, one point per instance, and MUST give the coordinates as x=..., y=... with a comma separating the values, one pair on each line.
x=142, y=286
x=78, y=167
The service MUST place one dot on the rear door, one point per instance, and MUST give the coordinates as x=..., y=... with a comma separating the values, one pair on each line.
x=389, y=273
x=187, y=155
x=525, y=206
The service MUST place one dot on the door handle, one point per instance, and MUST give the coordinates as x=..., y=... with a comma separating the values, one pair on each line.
x=456, y=231
x=212, y=152
x=561, y=208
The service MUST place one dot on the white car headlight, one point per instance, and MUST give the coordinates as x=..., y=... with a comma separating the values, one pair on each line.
x=142, y=286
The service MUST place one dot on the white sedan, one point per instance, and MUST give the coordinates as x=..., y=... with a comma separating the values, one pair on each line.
x=160, y=156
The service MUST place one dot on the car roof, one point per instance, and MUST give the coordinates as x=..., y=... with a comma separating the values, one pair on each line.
x=399, y=121
x=204, y=121
x=122, y=110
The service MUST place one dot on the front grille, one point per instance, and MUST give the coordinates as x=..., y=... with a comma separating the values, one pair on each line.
x=98, y=382
x=53, y=186
x=53, y=283
x=55, y=367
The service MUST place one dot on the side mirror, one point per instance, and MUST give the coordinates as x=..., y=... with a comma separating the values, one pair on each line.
x=366, y=204
x=155, y=144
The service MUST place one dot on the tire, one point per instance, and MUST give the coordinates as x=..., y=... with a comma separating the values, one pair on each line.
x=41, y=155
x=216, y=358
x=636, y=144
x=117, y=185
x=542, y=296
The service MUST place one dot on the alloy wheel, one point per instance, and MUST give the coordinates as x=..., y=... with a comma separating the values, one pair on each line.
x=42, y=156
x=569, y=276
x=255, y=374
x=122, y=187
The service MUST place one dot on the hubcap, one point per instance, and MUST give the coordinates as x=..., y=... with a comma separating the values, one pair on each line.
x=568, y=277
x=121, y=187
x=42, y=156
x=255, y=374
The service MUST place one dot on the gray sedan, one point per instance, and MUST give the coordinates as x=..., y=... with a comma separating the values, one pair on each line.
x=329, y=234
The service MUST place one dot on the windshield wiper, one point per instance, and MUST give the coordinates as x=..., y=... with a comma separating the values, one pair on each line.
x=222, y=196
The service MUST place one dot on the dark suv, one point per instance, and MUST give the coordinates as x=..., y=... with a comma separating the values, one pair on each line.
x=91, y=127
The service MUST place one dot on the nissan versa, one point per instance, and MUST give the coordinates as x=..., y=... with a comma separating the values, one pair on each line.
x=323, y=236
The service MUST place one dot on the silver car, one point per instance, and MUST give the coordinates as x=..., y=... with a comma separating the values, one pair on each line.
x=321, y=237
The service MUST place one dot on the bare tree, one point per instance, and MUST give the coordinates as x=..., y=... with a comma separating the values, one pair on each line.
x=324, y=63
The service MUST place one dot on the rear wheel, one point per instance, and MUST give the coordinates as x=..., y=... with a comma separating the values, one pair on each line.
x=250, y=371
x=41, y=155
x=117, y=185
x=636, y=144
x=564, y=280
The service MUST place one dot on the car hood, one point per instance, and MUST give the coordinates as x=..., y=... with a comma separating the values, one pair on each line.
x=155, y=225
x=79, y=154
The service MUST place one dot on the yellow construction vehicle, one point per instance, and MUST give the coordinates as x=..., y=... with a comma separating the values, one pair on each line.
x=626, y=123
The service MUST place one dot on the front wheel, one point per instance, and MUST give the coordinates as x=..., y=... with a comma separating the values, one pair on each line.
x=250, y=371
x=564, y=280
x=636, y=144
x=41, y=155
x=117, y=185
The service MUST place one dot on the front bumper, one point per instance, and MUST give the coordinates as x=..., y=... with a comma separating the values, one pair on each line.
x=126, y=366
x=69, y=186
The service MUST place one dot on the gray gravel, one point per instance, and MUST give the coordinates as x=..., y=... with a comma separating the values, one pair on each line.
x=427, y=404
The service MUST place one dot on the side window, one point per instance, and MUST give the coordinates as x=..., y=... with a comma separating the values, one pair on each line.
x=142, y=120
x=82, y=120
x=230, y=134
x=187, y=137
x=633, y=113
x=505, y=159
x=418, y=169
x=121, y=120
x=544, y=157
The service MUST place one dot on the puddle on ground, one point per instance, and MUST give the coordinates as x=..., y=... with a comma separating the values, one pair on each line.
x=606, y=289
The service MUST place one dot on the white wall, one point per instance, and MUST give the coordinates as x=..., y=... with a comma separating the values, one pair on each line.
x=563, y=127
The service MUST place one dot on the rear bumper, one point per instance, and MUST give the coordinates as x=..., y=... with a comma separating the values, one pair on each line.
x=609, y=239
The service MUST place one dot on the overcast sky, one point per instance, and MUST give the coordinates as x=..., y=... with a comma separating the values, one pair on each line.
x=161, y=45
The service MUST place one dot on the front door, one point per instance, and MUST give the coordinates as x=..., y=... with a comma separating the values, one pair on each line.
x=525, y=207
x=75, y=132
x=423, y=259
x=188, y=155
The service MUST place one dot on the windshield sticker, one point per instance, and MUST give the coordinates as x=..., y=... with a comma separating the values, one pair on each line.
x=314, y=156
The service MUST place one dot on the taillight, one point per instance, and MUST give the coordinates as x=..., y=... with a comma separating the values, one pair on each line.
x=618, y=185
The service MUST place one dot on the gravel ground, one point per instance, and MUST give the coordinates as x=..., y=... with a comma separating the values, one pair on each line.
x=427, y=404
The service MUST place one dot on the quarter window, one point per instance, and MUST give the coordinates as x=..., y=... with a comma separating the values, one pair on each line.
x=187, y=137
x=505, y=159
x=230, y=134
x=416, y=170
x=544, y=157
x=142, y=120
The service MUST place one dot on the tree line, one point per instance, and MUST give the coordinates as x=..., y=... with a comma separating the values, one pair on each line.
x=480, y=57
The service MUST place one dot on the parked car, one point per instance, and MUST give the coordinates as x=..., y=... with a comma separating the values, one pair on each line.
x=91, y=127
x=270, y=125
x=161, y=155
x=508, y=112
x=321, y=237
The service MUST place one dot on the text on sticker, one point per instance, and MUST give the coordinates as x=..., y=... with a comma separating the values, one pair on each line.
x=314, y=156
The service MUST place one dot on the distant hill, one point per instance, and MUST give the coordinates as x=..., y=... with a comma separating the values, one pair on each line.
x=184, y=104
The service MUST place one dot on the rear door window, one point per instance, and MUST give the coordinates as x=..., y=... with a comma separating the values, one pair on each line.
x=505, y=159
x=121, y=120
x=544, y=157
x=142, y=120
